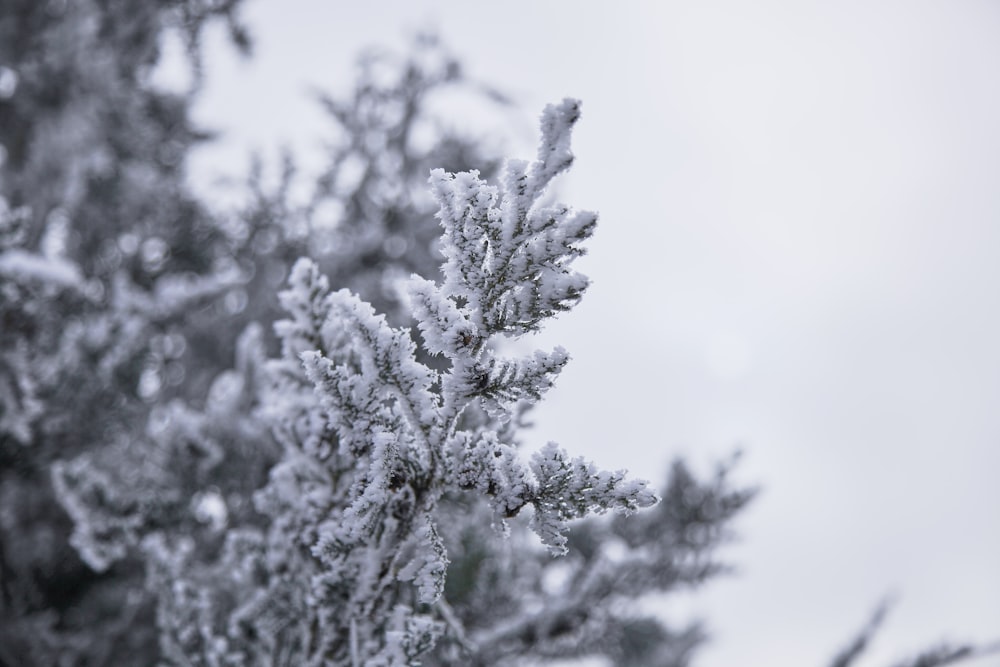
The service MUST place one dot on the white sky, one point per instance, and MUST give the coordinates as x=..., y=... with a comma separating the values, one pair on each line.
x=799, y=254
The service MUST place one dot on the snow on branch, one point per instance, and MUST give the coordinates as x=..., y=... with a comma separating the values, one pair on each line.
x=572, y=489
x=508, y=260
x=378, y=441
x=402, y=441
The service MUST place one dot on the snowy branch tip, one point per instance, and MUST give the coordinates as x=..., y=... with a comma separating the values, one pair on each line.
x=507, y=257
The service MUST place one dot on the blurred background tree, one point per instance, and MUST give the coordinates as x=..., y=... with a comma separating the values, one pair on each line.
x=106, y=259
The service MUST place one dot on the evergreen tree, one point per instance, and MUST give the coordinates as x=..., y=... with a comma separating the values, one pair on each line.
x=198, y=467
x=391, y=473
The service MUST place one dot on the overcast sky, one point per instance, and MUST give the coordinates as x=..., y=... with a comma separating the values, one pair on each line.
x=798, y=254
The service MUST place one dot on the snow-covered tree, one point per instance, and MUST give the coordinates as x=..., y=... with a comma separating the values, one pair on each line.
x=345, y=503
x=391, y=471
x=329, y=472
